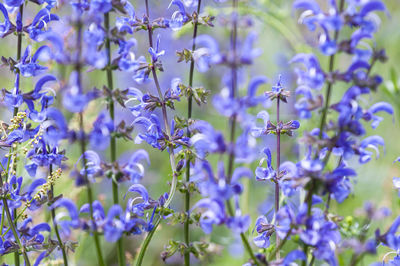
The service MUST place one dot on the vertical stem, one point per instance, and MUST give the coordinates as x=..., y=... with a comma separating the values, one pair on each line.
x=231, y=158
x=189, y=116
x=120, y=243
x=83, y=143
x=174, y=181
x=15, y=111
x=90, y=194
x=53, y=216
x=321, y=127
x=14, y=230
x=278, y=164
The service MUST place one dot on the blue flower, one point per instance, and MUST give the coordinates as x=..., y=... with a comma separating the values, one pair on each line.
x=264, y=230
x=152, y=131
x=294, y=255
x=134, y=206
x=312, y=76
x=102, y=6
x=228, y=105
x=372, y=142
x=72, y=213
x=94, y=37
x=206, y=53
x=338, y=183
x=259, y=131
x=207, y=140
x=357, y=14
x=134, y=169
x=178, y=18
x=377, y=107
x=92, y=167
x=40, y=23
x=28, y=66
x=156, y=53
x=331, y=21
x=268, y=173
x=125, y=24
x=102, y=130
x=214, y=214
x=74, y=100
x=6, y=25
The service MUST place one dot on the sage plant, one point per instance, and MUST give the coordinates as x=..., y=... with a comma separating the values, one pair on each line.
x=100, y=96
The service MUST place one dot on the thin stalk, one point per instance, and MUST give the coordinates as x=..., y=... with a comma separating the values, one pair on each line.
x=186, y=232
x=174, y=181
x=278, y=165
x=321, y=127
x=356, y=258
x=146, y=243
x=90, y=195
x=15, y=233
x=281, y=244
x=113, y=148
x=83, y=143
x=231, y=158
x=53, y=216
x=15, y=111
x=245, y=241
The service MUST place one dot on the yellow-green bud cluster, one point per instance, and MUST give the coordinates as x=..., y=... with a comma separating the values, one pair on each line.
x=17, y=120
x=51, y=179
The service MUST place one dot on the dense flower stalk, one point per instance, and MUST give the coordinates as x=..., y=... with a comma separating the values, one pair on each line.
x=188, y=162
x=170, y=147
x=297, y=224
x=82, y=141
x=113, y=145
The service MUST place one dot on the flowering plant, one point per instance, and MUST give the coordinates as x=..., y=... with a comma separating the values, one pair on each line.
x=151, y=128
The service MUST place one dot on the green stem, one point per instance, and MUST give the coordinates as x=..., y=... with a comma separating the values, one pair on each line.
x=278, y=165
x=186, y=231
x=15, y=233
x=146, y=243
x=83, y=142
x=231, y=158
x=322, y=125
x=15, y=112
x=281, y=244
x=111, y=108
x=245, y=242
x=53, y=216
x=90, y=195
x=174, y=181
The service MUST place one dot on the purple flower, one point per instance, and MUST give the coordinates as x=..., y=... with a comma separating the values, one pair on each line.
x=6, y=25
x=135, y=169
x=311, y=75
x=102, y=130
x=74, y=100
x=152, y=132
x=156, y=53
x=207, y=140
x=134, y=206
x=214, y=213
x=178, y=18
x=268, y=173
x=377, y=107
x=40, y=23
x=264, y=230
x=102, y=6
x=72, y=213
x=28, y=65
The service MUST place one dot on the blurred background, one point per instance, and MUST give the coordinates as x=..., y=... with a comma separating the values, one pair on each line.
x=280, y=38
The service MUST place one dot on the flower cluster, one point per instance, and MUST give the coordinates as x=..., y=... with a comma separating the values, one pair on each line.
x=94, y=79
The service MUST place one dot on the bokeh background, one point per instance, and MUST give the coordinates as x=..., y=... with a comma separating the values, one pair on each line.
x=280, y=38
